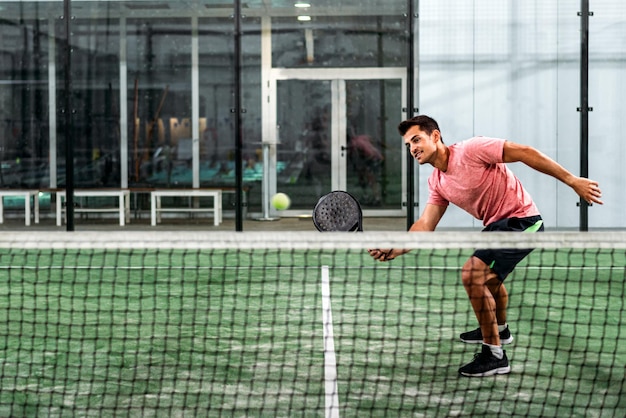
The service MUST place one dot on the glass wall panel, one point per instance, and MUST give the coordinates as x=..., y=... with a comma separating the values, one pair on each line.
x=566, y=34
x=510, y=70
x=327, y=119
x=374, y=166
x=305, y=149
x=217, y=101
x=159, y=94
x=339, y=41
x=24, y=98
x=252, y=121
x=95, y=99
x=141, y=101
x=217, y=107
x=607, y=121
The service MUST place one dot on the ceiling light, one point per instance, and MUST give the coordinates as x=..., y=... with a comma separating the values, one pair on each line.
x=304, y=18
x=302, y=5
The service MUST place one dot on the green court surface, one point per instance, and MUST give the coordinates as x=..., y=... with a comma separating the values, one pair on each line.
x=240, y=333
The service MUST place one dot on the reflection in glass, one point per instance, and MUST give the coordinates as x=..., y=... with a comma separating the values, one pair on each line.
x=159, y=88
x=343, y=41
x=374, y=156
x=24, y=109
x=304, y=152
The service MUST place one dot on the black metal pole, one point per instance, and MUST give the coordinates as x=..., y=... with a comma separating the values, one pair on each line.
x=69, y=138
x=584, y=108
x=410, y=71
x=238, y=134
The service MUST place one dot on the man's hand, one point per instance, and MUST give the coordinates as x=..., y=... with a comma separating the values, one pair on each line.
x=588, y=189
x=386, y=255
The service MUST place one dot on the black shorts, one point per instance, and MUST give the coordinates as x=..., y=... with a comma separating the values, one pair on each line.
x=503, y=260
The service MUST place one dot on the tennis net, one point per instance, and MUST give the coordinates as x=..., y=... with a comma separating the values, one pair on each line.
x=302, y=324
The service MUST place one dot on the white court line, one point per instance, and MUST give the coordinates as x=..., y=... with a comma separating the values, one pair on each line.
x=330, y=361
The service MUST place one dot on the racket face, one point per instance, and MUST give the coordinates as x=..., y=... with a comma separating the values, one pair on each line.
x=338, y=211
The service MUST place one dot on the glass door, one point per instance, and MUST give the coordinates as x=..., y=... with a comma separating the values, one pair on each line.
x=304, y=150
x=373, y=146
x=340, y=134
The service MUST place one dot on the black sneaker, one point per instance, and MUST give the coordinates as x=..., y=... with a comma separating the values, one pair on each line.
x=486, y=364
x=476, y=337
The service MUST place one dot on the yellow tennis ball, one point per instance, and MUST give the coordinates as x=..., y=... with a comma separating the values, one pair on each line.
x=281, y=201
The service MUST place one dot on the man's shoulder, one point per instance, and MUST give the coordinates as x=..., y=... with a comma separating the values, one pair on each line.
x=479, y=139
x=478, y=150
x=479, y=142
x=474, y=140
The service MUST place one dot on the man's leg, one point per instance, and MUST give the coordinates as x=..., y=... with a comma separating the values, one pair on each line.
x=501, y=297
x=478, y=281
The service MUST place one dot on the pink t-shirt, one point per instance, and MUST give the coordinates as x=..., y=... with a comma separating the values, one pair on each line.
x=480, y=183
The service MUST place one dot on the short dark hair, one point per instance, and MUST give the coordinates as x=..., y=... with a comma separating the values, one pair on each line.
x=426, y=124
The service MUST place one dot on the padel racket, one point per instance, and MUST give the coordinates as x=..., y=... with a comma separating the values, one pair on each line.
x=338, y=211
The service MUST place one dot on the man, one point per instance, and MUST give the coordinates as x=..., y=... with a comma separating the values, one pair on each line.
x=472, y=175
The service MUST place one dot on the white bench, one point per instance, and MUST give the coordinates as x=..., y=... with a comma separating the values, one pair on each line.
x=156, y=208
x=123, y=207
x=27, y=194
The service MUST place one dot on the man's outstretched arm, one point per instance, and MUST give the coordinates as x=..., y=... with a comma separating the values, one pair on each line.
x=588, y=189
x=427, y=222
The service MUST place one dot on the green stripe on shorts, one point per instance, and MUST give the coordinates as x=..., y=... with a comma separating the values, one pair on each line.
x=535, y=227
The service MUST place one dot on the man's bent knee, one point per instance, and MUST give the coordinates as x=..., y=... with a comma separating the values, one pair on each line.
x=475, y=273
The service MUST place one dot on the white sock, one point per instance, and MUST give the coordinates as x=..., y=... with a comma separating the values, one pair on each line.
x=496, y=350
x=502, y=327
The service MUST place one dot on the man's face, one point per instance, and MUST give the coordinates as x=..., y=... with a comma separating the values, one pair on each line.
x=423, y=147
